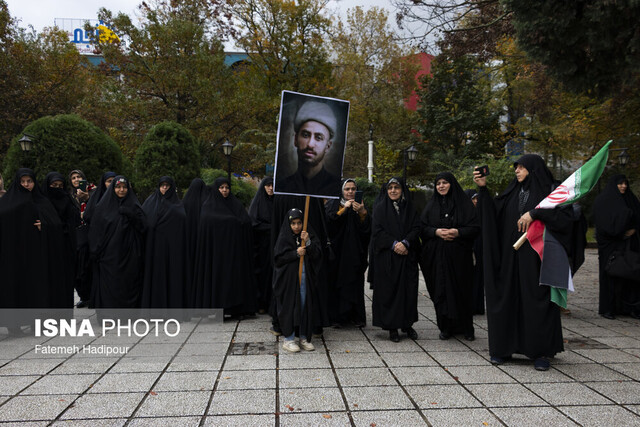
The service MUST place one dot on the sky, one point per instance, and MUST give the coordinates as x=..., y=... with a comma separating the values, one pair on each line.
x=41, y=13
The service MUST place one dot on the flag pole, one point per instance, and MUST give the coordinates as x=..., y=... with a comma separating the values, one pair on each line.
x=520, y=242
x=302, y=242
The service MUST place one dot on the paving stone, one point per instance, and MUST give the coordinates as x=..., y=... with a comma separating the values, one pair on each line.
x=480, y=374
x=169, y=403
x=387, y=418
x=116, y=405
x=405, y=345
x=243, y=402
x=240, y=420
x=118, y=383
x=310, y=400
x=631, y=370
x=255, y=336
x=608, y=356
x=314, y=419
x=408, y=359
x=526, y=373
x=30, y=366
x=31, y=408
x=369, y=398
x=355, y=360
x=330, y=334
x=458, y=358
x=592, y=372
x=442, y=345
x=460, y=417
x=423, y=375
x=359, y=346
x=204, y=349
x=77, y=365
x=496, y=395
x=620, y=342
x=186, y=381
x=533, y=417
x=12, y=384
x=568, y=394
x=569, y=357
x=350, y=377
x=166, y=421
x=62, y=384
x=243, y=363
x=140, y=364
x=304, y=360
x=307, y=378
x=210, y=338
x=247, y=380
x=102, y=422
x=625, y=392
x=195, y=363
x=596, y=416
x=442, y=396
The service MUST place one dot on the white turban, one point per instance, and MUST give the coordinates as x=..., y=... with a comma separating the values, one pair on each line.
x=318, y=112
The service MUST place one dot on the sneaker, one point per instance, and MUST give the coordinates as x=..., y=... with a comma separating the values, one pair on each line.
x=541, y=364
x=291, y=347
x=306, y=345
x=275, y=331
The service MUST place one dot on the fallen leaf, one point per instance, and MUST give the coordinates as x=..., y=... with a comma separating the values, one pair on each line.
x=485, y=423
x=434, y=403
x=61, y=400
x=355, y=405
x=327, y=416
x=347, y=351
x=153, y=393
x=373, y=424
x=227, y=378
x=289, y=407
x=455, y=378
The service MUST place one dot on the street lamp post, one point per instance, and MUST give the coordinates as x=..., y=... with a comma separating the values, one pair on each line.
x=409, y=154
x=26, y=144
x=227, y=149
x=623, y=158
x=370, y=163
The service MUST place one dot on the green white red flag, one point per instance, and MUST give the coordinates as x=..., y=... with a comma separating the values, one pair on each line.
x=555, y=270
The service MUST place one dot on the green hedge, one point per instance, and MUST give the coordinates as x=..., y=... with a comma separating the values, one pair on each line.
x=63, y=143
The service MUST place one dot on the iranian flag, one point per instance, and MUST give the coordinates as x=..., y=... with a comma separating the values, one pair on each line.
x=555, y=270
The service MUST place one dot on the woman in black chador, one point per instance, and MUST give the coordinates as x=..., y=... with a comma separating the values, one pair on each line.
x=261, y=213
x=294, y=297
x=478, y=271
x=520, y=314
x=116, y=241
x=54, y=189
x=449, y=227
x=165, y=267
x=349, y=226
x=192, y=202
x=97, y=195
x=396, y=249
x=616, y=213
x=224, y=264
x=31, y=249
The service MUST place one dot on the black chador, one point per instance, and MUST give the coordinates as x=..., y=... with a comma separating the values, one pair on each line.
x=447, y=261
x=478, y=271
x=192, y=202
x=116, y=241
x=286, y=283
x=615, y=214
x=31, y=258
x=521, y=317
x=261, y=213
x=224, y=265
x=349, y=232
x=395, y=292
x=70, y=218
x=96, y=196
x=165, y=267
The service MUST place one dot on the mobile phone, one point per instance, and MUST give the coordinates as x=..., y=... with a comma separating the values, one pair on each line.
x=484, y=170
x=83, y=185
x=359, y=196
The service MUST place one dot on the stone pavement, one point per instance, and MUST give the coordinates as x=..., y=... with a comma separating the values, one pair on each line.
x=236, y=374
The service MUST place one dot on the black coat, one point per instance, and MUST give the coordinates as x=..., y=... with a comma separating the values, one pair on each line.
x=116, y=242
x=447, y=266
x=395, y=278
x=166, y=277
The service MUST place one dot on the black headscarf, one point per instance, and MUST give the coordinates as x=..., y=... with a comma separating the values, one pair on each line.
x=78, y=171
x=157, y=204
x=452, y=210
x=96, y=196
x=535, y=187
x=398, y=216
x=225, y=206
x=261, y=208
x=471, y=193
x=59, y=197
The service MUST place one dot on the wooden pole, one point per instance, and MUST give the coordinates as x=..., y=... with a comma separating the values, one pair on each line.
x=302, y=243
x=520, y=241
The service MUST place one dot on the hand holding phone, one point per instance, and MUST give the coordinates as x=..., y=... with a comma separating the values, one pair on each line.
x=358, y=196
x=483, y=170
x=83, y=185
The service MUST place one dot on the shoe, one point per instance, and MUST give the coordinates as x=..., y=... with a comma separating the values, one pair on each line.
x=306, y=345
x=411, y=333
x=291, y=347
x=393, y=335
x=274, y=331
x=496, y=360
x=82, y=304
x=317, y=333
x=469, y=337
x=608, y=315
x=635, y=315
x=444, y=335
x=541, y=364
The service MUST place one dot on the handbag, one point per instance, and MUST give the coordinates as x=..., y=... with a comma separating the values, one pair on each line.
x=624, y=264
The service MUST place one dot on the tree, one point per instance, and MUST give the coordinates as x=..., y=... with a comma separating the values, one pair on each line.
x=63, y=143
x=40, y=74
x=457, y=109
x=168, y=149
x=170, y=66
x=376, y=74
x=589, y=46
